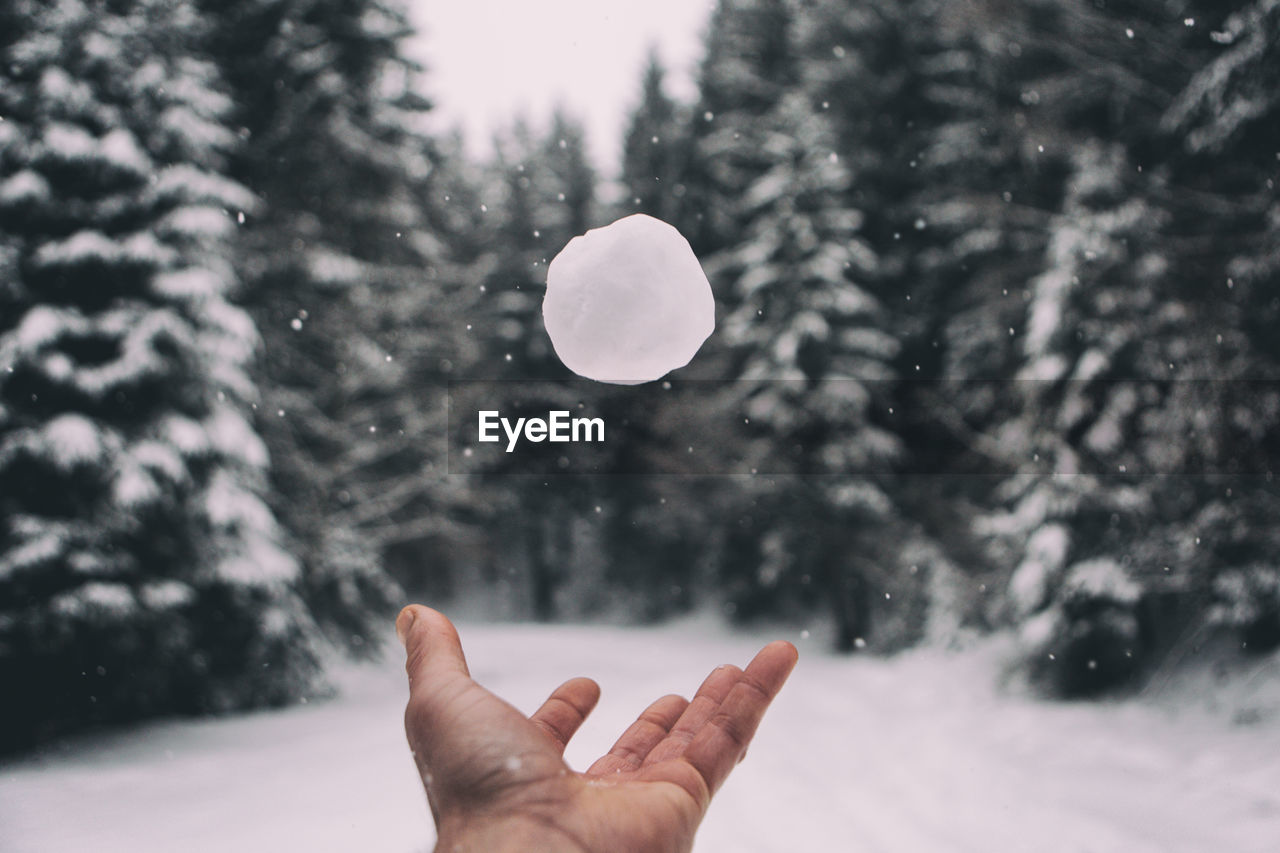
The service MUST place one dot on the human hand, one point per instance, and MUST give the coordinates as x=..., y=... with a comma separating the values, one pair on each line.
x=497, y=781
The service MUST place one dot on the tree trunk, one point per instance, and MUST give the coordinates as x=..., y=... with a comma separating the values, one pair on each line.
x=541, y=572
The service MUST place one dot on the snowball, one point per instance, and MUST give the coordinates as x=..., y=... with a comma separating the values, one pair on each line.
x=627, y=303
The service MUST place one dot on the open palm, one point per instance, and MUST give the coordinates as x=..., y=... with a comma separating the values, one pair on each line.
x=497, y=780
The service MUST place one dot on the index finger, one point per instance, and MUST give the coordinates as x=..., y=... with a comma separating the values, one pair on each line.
x=723, y=741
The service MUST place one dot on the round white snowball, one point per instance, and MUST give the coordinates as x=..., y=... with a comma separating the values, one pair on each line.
x=627, y=303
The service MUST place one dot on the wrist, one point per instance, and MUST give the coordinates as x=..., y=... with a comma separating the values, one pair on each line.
x=504, y=835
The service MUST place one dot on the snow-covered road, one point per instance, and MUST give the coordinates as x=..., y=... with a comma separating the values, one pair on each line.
x=917, y=753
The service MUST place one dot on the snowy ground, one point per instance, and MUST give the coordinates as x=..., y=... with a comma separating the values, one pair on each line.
x=918, y=753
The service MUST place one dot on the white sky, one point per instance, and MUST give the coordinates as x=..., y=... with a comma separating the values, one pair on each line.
x=491, y=60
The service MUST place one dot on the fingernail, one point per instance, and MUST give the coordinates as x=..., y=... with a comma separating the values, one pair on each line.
x=403, y=623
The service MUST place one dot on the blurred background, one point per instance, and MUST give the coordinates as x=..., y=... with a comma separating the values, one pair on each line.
x=996, y=291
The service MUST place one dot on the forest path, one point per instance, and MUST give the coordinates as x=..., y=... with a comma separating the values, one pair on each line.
x=917, y=753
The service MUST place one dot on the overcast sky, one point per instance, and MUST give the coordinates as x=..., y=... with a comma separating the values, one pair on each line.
x=491, y=60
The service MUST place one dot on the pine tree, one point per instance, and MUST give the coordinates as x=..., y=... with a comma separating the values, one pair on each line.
x=539, y=194
x=141, y=571
x=1226, y=119
x=652, y=149
x=914, y=92
x=1125, y=343
x=1084, y=329
x=811, y=357
x=748, y=65
x=569, y=179
x=350, y=283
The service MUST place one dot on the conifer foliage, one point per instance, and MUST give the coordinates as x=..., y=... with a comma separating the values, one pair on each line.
x=141, y=570
x=653, y=149
x=1063, y=211
x=811, y=356
x=236, y=276
x=349, y=283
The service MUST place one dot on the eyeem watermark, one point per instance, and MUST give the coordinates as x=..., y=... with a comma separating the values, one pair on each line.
x=547, y=428
x=557, y=426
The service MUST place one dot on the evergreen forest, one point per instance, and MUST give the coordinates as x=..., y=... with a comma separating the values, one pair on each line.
x=997, y=289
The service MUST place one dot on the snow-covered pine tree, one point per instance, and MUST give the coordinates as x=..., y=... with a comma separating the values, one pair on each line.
x=538, y=194
x=651, y=547
x=916, y=91
x=1227, y=120
x=653, y=149
x=1224, y=121
x=811, y=358
x=1072, y=511
x=748, y=64
x=862, y=63
x=1126, y=342
x=140, y=570
x=351, y=286
x=567, y=176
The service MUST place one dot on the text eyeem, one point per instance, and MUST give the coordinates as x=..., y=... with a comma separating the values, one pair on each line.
x=558, y=426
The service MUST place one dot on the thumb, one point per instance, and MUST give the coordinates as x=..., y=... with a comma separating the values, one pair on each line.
x=432, y=648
